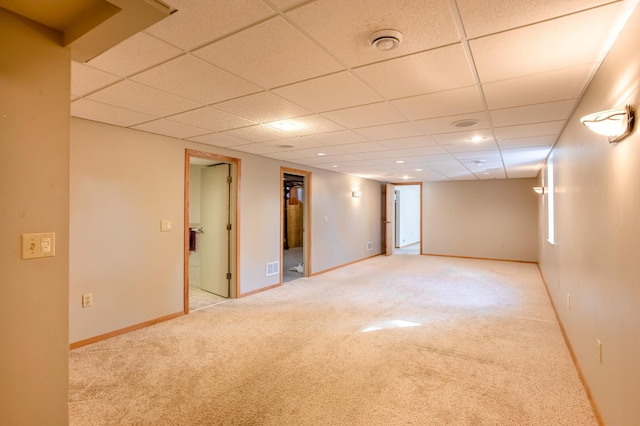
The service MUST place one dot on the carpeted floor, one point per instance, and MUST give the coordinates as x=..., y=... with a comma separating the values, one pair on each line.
x=400, y=340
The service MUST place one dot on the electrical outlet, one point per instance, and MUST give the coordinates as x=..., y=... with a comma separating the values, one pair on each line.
x=599, y=351
x=87, y=300
x=568, y=300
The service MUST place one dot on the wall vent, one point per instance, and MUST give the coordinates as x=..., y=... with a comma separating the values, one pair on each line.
x=273, y=268
x=369, y=245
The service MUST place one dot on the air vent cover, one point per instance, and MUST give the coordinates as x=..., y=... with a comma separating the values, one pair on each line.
x=273, y=268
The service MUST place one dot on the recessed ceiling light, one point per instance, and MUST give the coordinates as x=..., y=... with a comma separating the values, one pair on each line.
x=334, y=165
x=476, y=139
x=386, y=39
x=286, y=125
x=399, y=161
x=486, y=173
x=320, y=154
x=405, y=177
x=417, y=170
x=467, y=122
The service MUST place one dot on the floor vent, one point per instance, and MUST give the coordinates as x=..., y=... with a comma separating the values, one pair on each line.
x=273, y=268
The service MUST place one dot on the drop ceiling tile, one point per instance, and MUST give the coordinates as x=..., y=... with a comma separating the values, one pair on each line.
x=366, y=115
x=477, y=155
x=195, y=79
x=133, y=55
x=134, y=96
x=539, y=88
x=326, y=151
x=211, y=119
x=391, y=131
x=219, y=139
x=472, y=146
x=199, y=22
x=335, y=91
x=488, y=17
x=530, y=130
x=449, y=168
x=381, y=156
x=337, y=138
x=258, y=133
x=421, y=151
x=307, y=125
x=96, y=111
x=549, y=111
x=262, y=107
x=293, y=144
x=286, y=4
x=446, y=124
x=327, y=160
x=432, y=158
x=253, y=55
x=426, y=72
x=344, y=27
x=464, y=138
x=85, y=79
x=524, y=156
x=171, y=128
x=256, y=148
x=355, y=148
x=545, y=46
x=528, y=142
x=407, y=143
x=441, y=104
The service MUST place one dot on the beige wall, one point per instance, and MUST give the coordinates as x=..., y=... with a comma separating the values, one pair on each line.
x=124, y=182
x=596, y=255
x=494, y=219
x=34, y=183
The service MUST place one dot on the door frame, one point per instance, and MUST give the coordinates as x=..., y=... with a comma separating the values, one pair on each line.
x=235, y=201
x=391, y=222
x=306, y=219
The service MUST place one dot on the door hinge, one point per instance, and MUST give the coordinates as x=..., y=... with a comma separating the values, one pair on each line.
x=228, y=275
x=228, y=227
x=229, y=179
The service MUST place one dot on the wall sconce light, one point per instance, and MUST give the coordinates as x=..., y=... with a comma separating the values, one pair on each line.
x=614, y=123
x=539, y=189
x=356, y=194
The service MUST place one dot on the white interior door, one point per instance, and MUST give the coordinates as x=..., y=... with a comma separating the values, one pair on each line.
x=390, y=226
x=214, y=218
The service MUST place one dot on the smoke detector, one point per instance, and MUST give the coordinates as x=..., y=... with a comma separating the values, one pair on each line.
x=386, y=39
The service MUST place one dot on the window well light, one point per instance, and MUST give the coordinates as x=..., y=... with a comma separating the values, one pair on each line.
x=616, y=124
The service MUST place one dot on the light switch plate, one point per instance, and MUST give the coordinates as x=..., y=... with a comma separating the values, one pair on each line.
x=165, y=225
x=38, y=245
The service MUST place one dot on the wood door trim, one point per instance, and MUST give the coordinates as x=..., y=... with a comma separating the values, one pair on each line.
x=223, y=158
x=307, y=226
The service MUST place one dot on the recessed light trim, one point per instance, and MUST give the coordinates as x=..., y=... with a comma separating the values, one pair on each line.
x=399, y=161
x=321, y=154
x=386, y=39
x=465, y=123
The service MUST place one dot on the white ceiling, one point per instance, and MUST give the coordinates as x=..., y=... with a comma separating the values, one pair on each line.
x=228, y=73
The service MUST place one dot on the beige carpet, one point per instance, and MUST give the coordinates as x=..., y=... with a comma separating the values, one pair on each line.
x=404, y=340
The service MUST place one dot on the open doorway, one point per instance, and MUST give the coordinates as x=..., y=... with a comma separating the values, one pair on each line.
x=404, y=218
x=211, y=266
x=295, y=202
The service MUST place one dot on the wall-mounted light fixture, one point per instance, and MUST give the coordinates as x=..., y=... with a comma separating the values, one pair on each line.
x=614, y=123
x=539, y=189
x=356, y=194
